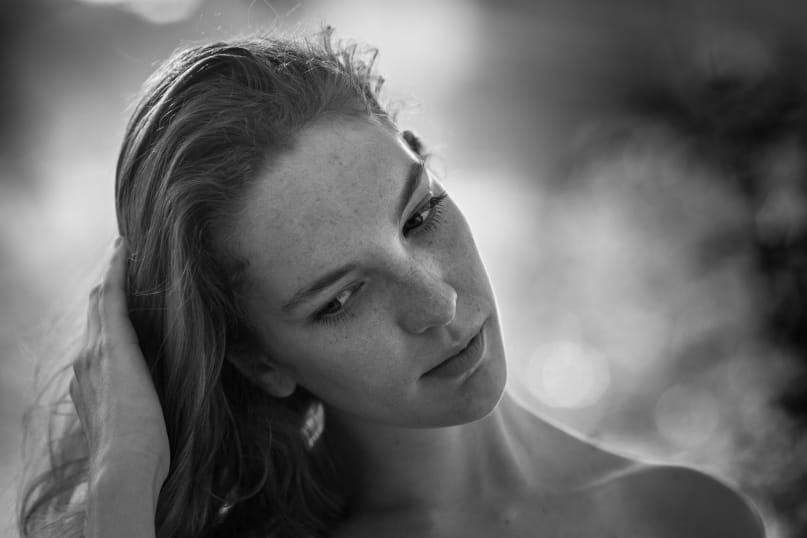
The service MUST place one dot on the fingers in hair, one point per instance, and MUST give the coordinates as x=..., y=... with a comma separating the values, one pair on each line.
x=113, y=310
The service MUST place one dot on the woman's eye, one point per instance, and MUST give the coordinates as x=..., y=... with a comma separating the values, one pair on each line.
x=428, y=216
x=337, y=303
x=335, y=308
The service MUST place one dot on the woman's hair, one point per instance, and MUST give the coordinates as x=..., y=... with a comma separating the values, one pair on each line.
x=210, y=120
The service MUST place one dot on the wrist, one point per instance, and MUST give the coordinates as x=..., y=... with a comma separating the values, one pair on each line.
x=139, y=471
x=122, y=497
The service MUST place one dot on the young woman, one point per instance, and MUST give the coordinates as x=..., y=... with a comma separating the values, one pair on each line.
x=296, y=336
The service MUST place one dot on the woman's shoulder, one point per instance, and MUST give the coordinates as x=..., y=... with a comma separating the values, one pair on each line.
x=673, y=500
x=658, y=501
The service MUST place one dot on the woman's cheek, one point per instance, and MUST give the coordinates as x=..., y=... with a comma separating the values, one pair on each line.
x=454, y=237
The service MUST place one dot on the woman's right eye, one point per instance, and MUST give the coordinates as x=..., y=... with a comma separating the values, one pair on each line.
x=337, y=303
x=335, y=308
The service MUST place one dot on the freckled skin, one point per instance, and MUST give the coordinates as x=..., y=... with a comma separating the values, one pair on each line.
x=500, y=470
x=329, y=201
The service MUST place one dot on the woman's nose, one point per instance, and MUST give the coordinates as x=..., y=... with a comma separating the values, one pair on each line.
x=426, y=299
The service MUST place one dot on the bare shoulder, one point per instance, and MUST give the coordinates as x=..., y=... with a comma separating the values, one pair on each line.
x=669, y=500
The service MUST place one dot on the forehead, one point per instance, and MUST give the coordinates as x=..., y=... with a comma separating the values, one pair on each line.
x=326, y=202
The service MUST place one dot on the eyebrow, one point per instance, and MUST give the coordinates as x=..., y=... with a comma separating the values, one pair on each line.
x=306, y=293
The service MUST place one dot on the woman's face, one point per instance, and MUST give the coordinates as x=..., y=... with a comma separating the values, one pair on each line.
x=363, y=278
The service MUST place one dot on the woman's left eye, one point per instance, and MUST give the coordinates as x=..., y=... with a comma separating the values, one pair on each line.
x=427, y=216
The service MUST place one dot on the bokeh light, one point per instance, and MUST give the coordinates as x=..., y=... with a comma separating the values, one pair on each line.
x=687, y=415
x=568, y=374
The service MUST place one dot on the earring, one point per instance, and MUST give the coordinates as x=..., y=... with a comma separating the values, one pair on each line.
x=313, y=424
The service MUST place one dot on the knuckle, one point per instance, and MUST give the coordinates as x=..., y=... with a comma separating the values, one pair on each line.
x=100, y=348
x=106, y=346
x=103, y=346
x=89, y=354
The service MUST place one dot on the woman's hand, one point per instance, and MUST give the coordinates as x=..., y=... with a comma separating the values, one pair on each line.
x=112, y=388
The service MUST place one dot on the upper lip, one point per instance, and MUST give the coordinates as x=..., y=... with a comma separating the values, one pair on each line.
x=462, y=345
x=457, y=348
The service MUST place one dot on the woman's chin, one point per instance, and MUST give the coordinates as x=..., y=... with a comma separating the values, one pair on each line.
x=476, y=398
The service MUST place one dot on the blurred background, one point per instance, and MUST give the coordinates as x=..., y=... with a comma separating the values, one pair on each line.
x=634, y=172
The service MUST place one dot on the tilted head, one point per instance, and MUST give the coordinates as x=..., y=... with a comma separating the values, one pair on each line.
x=250, y=169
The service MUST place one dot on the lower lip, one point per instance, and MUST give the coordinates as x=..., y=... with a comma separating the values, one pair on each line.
x=463, y=361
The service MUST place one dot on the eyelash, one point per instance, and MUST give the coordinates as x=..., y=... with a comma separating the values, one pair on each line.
x=435, y=208
x=322, y=316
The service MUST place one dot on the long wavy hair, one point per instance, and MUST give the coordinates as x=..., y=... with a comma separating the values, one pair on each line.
x=209, y=121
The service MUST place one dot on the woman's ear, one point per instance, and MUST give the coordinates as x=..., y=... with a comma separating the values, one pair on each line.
x=258, y=368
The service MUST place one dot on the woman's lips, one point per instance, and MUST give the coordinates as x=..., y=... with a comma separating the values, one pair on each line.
x=463, y=361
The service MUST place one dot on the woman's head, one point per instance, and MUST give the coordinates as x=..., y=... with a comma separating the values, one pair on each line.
x=362, y=276
x=249, y=170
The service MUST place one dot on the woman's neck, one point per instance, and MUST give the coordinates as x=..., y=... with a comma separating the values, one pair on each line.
x=403, y=468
